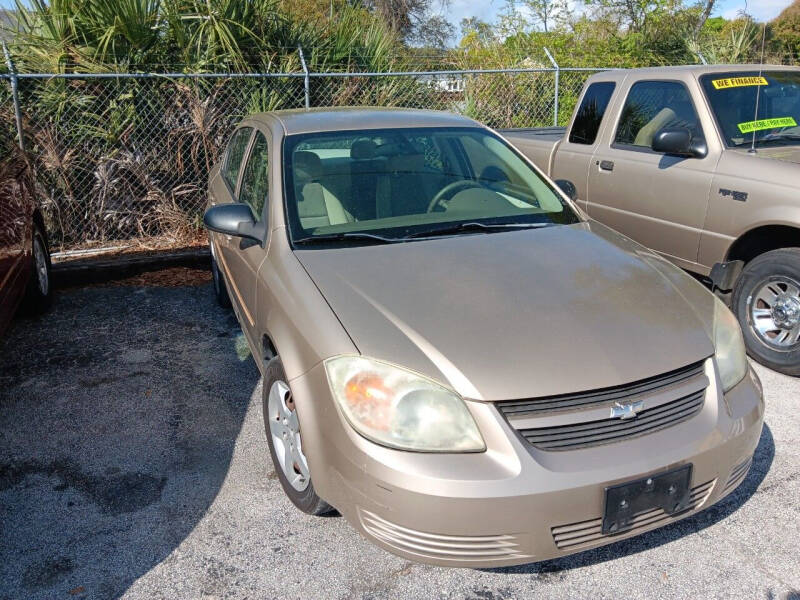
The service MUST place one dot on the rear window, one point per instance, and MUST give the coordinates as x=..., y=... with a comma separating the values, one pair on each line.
x=236, y=150
x=590, y=114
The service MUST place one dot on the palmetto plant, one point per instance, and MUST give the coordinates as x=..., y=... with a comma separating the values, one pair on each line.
x=119, y=157
x=199, y=118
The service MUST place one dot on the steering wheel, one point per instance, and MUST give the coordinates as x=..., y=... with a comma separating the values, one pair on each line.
x=450, y=190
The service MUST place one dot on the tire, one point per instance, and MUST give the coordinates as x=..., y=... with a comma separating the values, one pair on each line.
x=300, y=489
x=766, y=301
x=39, y=293
x=220, y=289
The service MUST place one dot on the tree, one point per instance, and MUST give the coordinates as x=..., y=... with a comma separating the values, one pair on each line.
x=704, y=14
x=481, y=30
x=633, y=15
x=407, y=17
x=548, y=13
x=786, y=29
x=512, y=21
x=433, y=32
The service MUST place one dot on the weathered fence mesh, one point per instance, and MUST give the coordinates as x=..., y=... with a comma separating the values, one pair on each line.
x=126, y=158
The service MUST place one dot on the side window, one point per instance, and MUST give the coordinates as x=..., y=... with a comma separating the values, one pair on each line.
x=652, y=106
x=236, y=149
x=255, y=179
x=590, y=114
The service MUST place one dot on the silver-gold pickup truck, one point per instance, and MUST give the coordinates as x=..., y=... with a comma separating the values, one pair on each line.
x=701, y=164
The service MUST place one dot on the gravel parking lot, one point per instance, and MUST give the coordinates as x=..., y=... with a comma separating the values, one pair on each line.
x=133, y=463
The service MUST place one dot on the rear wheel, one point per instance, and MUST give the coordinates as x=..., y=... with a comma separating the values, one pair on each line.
x=282, y=427
x=220, y=289
x=766, y=301
x=39, y=294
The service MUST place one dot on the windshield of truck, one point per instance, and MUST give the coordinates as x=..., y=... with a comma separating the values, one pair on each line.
x=749, y=105
x=391, y=185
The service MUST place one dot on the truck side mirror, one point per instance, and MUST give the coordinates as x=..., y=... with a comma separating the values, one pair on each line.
x=234, y=219
x=568, y=188
x=679, y=141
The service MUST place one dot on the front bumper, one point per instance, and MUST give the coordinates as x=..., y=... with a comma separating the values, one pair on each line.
x=513, y=503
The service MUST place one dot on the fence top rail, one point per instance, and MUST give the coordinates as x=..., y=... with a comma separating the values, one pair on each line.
x=293, y=75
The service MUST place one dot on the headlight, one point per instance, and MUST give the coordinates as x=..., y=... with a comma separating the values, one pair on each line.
x=729, y=346
x=397, y=408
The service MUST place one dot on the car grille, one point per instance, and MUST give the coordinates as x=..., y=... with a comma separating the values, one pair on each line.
x=577, y=421
x=593, y=433
x=481, y=548
x=590, y=533
x=620, y=393
x=737, y=476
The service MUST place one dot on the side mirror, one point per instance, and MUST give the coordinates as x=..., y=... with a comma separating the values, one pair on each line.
x=679, y=142
x=568, y=188
x=234, y=219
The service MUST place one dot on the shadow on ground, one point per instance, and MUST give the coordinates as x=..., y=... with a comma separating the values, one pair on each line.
x=118, y=415
x=762, y=461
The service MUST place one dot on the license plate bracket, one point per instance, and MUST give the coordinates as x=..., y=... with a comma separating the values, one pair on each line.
x=669, y=491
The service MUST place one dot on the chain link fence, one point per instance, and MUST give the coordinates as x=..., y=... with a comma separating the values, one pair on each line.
x=124, y=158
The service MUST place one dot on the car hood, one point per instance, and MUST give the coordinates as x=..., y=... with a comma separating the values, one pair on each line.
x=785, y=153
x=518, y=314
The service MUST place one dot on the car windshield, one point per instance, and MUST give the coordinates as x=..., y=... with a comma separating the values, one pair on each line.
x=749, y=106
x=391, y=185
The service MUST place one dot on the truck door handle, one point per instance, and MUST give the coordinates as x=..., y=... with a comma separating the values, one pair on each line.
x=606, y=165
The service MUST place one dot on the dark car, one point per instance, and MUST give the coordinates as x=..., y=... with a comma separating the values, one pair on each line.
x=24, y=252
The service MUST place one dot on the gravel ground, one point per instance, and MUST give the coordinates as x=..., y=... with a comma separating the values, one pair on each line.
x=133, y=463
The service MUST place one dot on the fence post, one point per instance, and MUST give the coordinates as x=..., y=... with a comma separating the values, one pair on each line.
x=14, y=95
x=306, y=82
x=557, y=82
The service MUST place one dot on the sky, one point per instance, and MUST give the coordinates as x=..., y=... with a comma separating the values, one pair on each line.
x=762, y=10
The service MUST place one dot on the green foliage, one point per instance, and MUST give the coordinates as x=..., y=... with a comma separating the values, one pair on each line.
x=786, y=31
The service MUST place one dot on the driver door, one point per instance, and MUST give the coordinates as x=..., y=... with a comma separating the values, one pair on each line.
x=658, y=200
x=241, y=256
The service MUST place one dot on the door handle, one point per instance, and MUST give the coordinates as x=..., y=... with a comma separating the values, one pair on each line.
x=606, y=165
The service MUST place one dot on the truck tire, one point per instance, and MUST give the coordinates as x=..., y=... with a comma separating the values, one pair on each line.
x=766, y=301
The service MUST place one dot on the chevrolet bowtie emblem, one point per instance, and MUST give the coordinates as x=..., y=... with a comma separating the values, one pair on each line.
x=626, y=411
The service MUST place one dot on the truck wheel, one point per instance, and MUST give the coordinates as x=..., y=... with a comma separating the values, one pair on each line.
x=39, y=294
x=766, y=301
x=220, y=289
x=285, y=443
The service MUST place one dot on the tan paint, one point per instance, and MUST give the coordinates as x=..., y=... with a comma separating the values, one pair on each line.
x=677, y=206
x=557, y=310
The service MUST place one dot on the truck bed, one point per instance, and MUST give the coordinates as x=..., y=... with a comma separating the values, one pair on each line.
x=552, y=134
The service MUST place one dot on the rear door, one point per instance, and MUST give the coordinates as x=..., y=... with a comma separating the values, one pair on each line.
x=243, y=257
x=658, y=200
x=574, y=154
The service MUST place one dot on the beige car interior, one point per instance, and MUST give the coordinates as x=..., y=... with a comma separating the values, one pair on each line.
x=363, y=187
x=317, y=205
x=648, y=132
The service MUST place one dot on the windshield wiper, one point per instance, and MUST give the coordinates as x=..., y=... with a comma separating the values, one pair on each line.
x=345, y=236
x=474, y=226
x=775, y=137
x=781, y=135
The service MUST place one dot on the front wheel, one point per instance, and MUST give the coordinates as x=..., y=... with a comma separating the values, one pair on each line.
x=220, y=289
x=282, y=426
x=766, y=300
x=39, y=294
